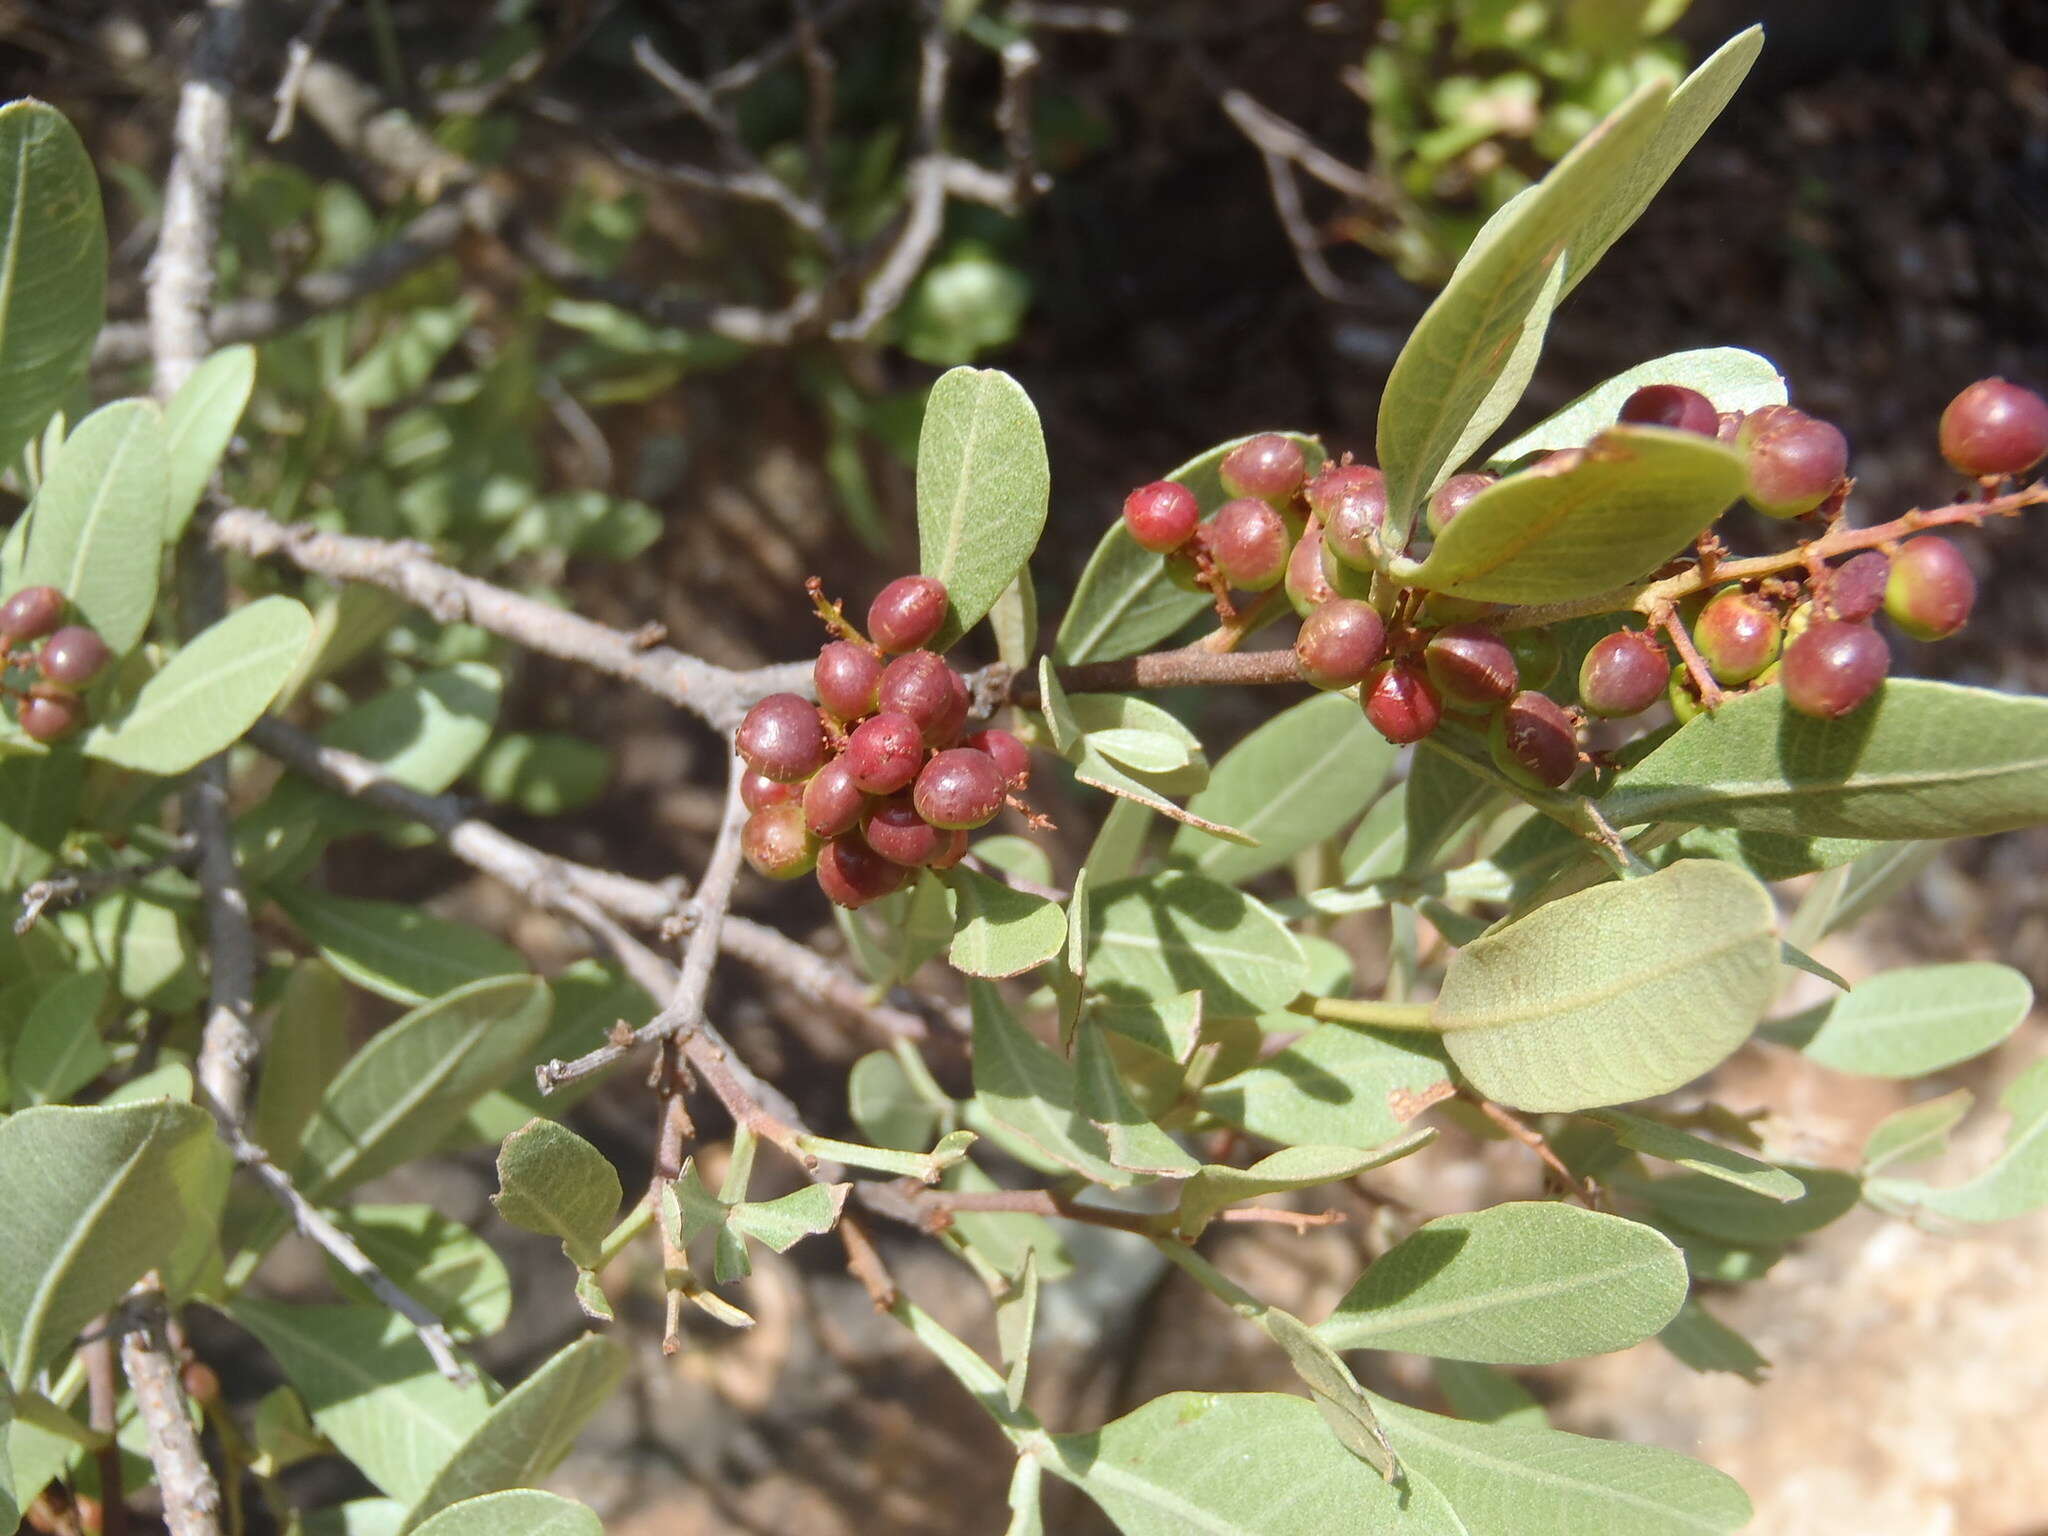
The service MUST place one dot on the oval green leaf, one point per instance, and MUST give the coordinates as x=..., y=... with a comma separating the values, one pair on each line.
x=1338, y=1085
x=434, y=1259
x=95, y=526
x=198, y=423
x=515, y=1512
x=1616, y=993
x=394, y=950
x=552, y=1181
x=1159, y=937
x=1733, y=379
x=1911, y=1022
x=1000, y=931
x=982, y=488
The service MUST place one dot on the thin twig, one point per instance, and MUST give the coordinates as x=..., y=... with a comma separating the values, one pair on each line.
x=103, y=1404
x=298, y=55
x=74, y=886
x=1533, y=1139
x=191, y=1496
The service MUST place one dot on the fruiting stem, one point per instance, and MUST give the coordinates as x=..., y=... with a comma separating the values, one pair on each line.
x=1711, y=694
x=1376, y=1012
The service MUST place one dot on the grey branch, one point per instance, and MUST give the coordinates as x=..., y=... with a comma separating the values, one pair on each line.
x=191, y=1496
x=716, y=694
x=73, y=886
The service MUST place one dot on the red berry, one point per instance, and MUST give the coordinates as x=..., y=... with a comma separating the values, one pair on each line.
x=778, y=844
x=1401, y=703
x=31, y=614
x=1471, y=665
x=1931, y=590
x=1454, y=496
x=1250, y=544
x=1832, y=667
x=1340, y=643
x=1672, y=405
x=884, y=753
x=758, y=791
x=51, y=715
x=1533, y=740
x=1351, y=501
x=907, y=613
x=832, y=802
x=1856, y=589
x=846, y=676
x=1308, y=581
x=1011, y=756
x=782, y=738
x=853, y=874
x=959, y=788
x=1737, y=634
x=1623, y=674
x=1162, y=515
x=73, y=656
x=893, y=829
x=1268, y=466
x=1794, y=461
x=931, y=693
x=1991, y=428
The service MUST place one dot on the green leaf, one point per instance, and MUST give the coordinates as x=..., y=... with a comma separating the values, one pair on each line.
x=514, y=1512
x=887, y=1106
x=1014, y=620
x=1716, y=1209
x=528, y=1433
x=403, y=358
x=1124, y=602
x=402, y=1093
x=435, y=1260
x=356, y=1517
x=1216, y=1186
x=1484, y=1395
x=90, y=1199
x=53, y=266
x=1159, y=937
x=1235, y=1464
x=39, y=799
x=1172, y=1026
x=1132, y=732
x=1294, y=781
x=59, y=1049
x=1016, y=1321
x=1768, y=855
x=1414, y=821
x=393, y=950
x=307, y=1046
x=1915, y=1133
x=1338, y=1085
x=1440, y=401
x=425, y=732
x=97, y=519
x=1134, y=1141
x=1029, y=1091
x=1733, y=379
x=982, y=489
x=552, y=1181
x=2017, y=1180
x=1919, y=760
x=1911, y=1022
x=1636, y=497
x=999, y=931
x=139, y=944
x=544, y=773
x=1654, y=1138
x=1523, y=1283
x=782, y=1223
x=210, y=692
x=371, y=1387
x=198, y=424
x=1153, y=790
x=1702, y=1341
x=1517, y=1480
x=1615, y=993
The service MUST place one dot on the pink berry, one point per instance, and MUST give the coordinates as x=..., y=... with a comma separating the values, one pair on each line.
x=783, y=739
x=1471, y=666
x=1623, y=674
x=1671, y=405
x=1340, y=643
x=1401, y=703
x=884, y=753
x=959, y=788
x=833, y=802
x=907, y=613
x=1250, y=544
x=1162, y=515
x=1991, y=428
x=778, y=844
x=1931, y=589
x=1831, y=667
x=853, y=874
x=1011, y=756
x=1268, y=466
x=845, y=676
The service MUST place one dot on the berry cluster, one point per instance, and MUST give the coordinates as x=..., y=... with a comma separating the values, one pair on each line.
x=1412, y=655
x=47, y=702
x=879, y=778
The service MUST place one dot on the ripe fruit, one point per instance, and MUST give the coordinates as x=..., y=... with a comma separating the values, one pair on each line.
x=846, y=675
x=893, y=829
x=959, y=788
x=931, y=693
x=758, y=791
x=48, y=715
x=1268, y=466
x=1534, y=741
x=1623, y=674
x=73, y=656
x=1162, y=515
x=1351, y=501
x=778, y=844
x=1738, y=635
x=1471, y=666
x=31, y=613
x=853, y=874
x=1991, y=428
x=1250, y=543
x=1856, y=590
x=1833, y=667
x=1537, y=656
x=954, y=851
x=1012, y=757
x=884, y=753
x=783, y=739
x=1340, y=643
x=832, y=802
x=1794, y=461
x=1930, y=592
x=1308, y=580
x=1453, y=497
x=1401, y=703
x=1671, y=405
x=907, y=613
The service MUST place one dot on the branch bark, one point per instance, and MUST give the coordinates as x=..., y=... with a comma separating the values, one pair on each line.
x=191, y=1496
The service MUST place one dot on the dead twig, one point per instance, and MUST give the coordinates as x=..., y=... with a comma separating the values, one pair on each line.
x=191, y=1496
